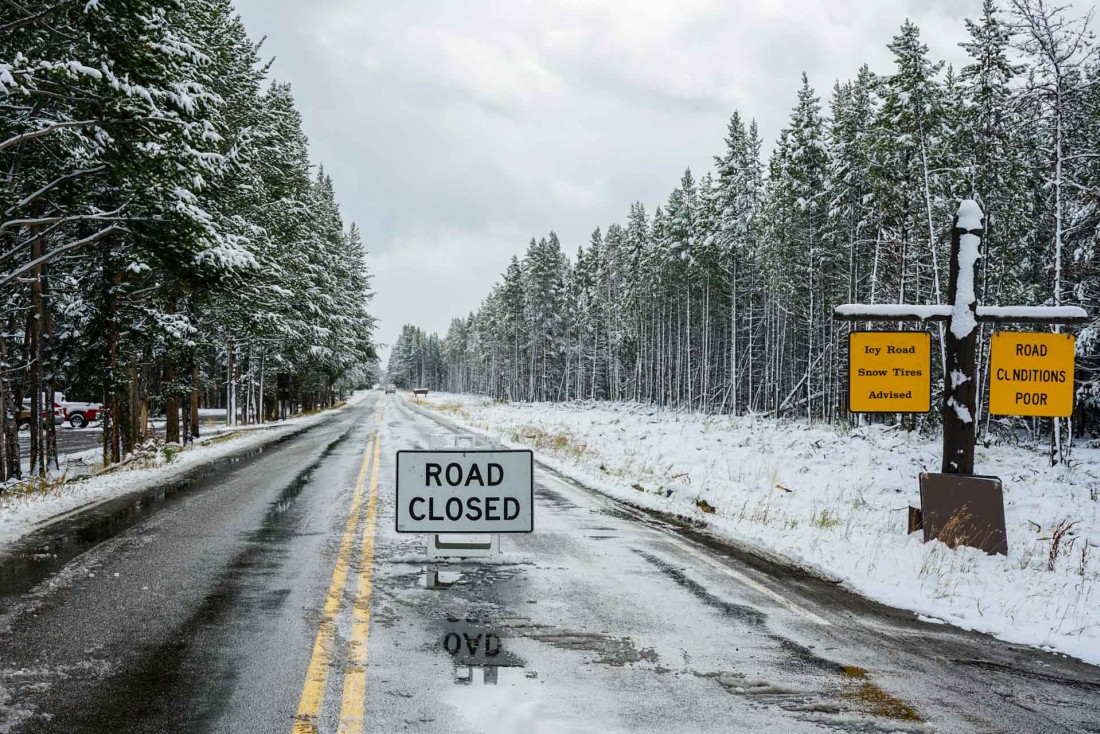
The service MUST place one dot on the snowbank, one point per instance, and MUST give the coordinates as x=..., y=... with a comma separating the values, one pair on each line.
x=835, y=500
x=23, y=514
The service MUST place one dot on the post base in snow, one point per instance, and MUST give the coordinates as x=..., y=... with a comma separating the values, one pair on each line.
x=964, y=509
x=916, y=520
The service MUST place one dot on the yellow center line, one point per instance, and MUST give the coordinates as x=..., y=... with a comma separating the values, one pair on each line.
x=313, y=691
x=353, y=705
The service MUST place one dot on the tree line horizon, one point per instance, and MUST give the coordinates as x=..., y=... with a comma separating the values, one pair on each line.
x=721, y=299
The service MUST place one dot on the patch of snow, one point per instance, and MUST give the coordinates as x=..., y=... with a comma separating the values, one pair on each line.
x=970, y=214
x=961, y=411
x=1033, y=312
x=75, y=67
x=962, y=317
x=893, y=310
x=957, y=378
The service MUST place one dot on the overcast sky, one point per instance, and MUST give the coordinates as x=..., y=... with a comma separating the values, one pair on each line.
x=455, y=131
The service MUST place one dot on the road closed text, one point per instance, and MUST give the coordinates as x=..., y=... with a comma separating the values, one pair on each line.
x=464, y=492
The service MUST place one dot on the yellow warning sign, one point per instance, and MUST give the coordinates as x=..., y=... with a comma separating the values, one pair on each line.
x=1031, y=373
x=889, y=372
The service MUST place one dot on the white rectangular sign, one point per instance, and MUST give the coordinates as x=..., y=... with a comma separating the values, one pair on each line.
x=465, y=492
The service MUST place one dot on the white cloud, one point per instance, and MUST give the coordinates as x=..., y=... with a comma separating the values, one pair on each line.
x=457, y=130
x=430, y=276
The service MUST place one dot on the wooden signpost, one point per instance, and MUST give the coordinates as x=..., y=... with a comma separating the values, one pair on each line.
x=1032, y=372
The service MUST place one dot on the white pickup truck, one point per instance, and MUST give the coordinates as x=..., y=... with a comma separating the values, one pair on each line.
x=79, y=414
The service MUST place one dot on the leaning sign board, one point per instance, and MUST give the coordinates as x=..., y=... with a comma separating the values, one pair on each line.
x=465, y=492
x=889, y=372
x=1031, y=373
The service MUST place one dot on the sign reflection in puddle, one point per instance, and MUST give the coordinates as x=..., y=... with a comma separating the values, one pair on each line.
x=471, y=645
x=436, y=577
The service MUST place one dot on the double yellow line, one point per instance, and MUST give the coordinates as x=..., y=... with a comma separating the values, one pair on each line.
x=353, y=701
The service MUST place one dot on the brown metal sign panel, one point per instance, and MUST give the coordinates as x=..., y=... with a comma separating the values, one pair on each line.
x=964, y=509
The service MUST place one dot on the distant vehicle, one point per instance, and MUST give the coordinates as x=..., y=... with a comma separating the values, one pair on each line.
x=391, y=389
x=23, y=421
x=80, y=414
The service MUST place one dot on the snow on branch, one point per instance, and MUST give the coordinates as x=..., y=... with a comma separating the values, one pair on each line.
x=43, y=132
x=985, y=314
x=4, y=280
x=891, y=311
x=1046, y=314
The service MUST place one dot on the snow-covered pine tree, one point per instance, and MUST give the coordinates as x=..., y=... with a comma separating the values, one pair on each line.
x=796, y=256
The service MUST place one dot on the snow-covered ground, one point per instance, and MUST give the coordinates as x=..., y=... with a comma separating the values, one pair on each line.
x=835, y=500
x=21, y=513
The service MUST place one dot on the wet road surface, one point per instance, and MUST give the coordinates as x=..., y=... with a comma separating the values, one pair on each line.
x=270, y=593
x=69, y=440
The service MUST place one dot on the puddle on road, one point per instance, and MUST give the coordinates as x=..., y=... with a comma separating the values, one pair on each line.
x=470, y=643
x=493, y=692
x=461, y=578
x=273, y=526
x=503, y=700
x=439, y=578
x=38, y=558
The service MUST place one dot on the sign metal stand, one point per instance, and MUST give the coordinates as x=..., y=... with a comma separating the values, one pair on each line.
x=451, y=545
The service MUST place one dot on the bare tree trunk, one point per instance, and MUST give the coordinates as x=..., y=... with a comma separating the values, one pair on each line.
x=50, y=381
x=230, y=384
x=196, y=384
x=261, y=416
x=112, y=440
x=172, y=403
x=12, y=467
x=34, y=364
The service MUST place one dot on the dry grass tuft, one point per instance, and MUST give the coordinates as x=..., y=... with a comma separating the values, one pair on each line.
x=34, y=487
x=560, y=443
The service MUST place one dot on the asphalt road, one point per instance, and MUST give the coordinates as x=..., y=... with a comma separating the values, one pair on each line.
x=69, y=440
x=75, y=440
x=270, y=593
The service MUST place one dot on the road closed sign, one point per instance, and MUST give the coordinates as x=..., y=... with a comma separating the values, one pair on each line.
x=465, y=492
x=889, y=372
x=1031, y=373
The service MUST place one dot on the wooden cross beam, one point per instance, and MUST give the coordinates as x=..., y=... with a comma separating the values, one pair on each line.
x=962, y=314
